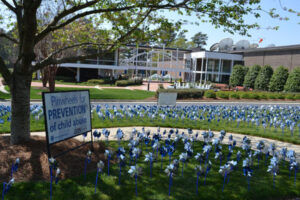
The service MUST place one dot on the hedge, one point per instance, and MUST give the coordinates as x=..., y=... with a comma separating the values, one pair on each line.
x=263, y=79
x=183, y=93
x=293, y=81
x=278, y=79
x=237, y=75
x=251, y=76
x=122, y=83
x=223, y=95
x=210, y=94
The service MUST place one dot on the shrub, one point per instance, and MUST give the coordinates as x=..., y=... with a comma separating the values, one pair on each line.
x=254, y=96
x=263, y=96
x=184, y=93
x=263, y=78
x=234, y=96
x=272, y=96
x=278, y=79
x=290, y=96
x=280, y=96
x=237, y=75
x=251, y=76
x=245, y=95
x=96, y=81
x=223, y=95
x=210, y=94
x=293, y=81
x=123, y=83
x=297, y=96
x=65, y=78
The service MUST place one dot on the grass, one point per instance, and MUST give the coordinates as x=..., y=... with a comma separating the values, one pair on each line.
x=79, y=83
x=243, y=127
x=156, y=188
x=35, y=93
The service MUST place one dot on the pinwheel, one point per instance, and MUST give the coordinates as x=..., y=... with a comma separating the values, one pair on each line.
x=135, y=171
x=199, y=171
x=149, y=158
x=106, y=134
x=294, y=166
x=283, y=153
x=136, y=153
x=246, y=145
x=170, y=171
x=97, y=134
x=163, y=152
x=273, y=168
x=183, y=158
x=171, y=150
x=206, y=151
x=219, y=155
x=15, y=167
x=260, y=146
x=208, y=167
x=108, y=154
x=247, y=171
x=7, y=186
x=225, y=170
x=119, y=135
x=88, y=159
x=272, y=149
x=238, y=156
x=199, y=157
x=100, y=166
x=53, y=166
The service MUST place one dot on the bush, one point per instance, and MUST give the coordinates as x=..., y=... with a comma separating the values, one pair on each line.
x=297, y=96
x=245, y=95
x=223, y=95
x=272, y=96
x=290, y=96
x=263, y=78
x=184, y=93
x=237, y=75
x=251, y=76
x=65, y=79
x=280, y=96
x=123, y=83
x=293, y=81
x=234, y=96
x=96, y=81
x=278, y=79
x=254, y=96
x=210, y=94
x=263, y=96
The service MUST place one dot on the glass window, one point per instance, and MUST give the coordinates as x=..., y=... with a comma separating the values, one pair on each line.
x=226, y=66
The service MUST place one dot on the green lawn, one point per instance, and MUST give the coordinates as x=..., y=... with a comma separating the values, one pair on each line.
x=94, y=93
x=187, y=123
x=156, y=188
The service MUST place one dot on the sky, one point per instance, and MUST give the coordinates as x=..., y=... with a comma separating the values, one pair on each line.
x=288, y=33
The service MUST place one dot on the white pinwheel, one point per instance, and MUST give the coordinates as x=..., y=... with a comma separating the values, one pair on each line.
x=100, y=165
x=148, y=157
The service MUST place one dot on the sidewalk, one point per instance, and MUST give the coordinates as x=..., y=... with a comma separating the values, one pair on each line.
x=153, y=86
x=238, y=137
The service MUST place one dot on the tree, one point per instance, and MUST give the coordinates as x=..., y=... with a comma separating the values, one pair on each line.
x=237, y=75
x=251, y=76
x=120, y=17
x=182, y=42
x=293, y=81
x=263, y=78
x=278, y=79
x=199, y=39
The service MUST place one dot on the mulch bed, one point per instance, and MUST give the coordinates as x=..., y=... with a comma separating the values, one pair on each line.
x=34, y=159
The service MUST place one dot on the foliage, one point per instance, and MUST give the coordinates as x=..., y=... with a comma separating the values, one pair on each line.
x=200, y=39
x=223, y=95
x=234, y=95
x=293, y=81
x=183, y=93
x=237, y=75
x=278, y=79
x=65, y=79
x=251, y=76
x=101, y=81
x=129, y=82
x=263, y=78
x=210, y=94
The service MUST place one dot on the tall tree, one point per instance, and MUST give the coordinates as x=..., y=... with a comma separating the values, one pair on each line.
x=121, y=17
x=251, y=76
x=200, y=39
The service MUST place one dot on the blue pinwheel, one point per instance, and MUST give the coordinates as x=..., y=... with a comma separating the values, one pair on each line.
x=108, y=154
x=6, y=187
x=247, y=171
x=88, y=159
x=97, y=134
x=163, y=152
x=225, y=170
x=100, y=166
x=15, y=167
x=149, y=158
x=273, y=168
x=135, y=171
x=170, y=171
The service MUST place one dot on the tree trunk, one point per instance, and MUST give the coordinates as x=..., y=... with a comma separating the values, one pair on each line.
x=20, y=104
x=45, y=74
x=52, y=75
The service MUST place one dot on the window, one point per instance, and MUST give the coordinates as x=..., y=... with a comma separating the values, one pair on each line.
x=226, y=66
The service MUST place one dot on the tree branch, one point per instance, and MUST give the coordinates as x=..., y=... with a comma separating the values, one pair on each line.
x=53, y=25
x=4, y=71
x=9, y=6
x=9, y=38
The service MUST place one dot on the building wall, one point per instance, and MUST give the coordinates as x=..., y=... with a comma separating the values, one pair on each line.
x=289, y=58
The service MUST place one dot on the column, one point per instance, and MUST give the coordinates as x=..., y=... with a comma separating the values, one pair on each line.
x=78, y=74
x=206, y=71
x=219, y=71
x=202, y=63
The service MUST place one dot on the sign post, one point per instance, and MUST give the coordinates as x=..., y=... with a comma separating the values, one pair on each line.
x=167, y=99
x=67, y=115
